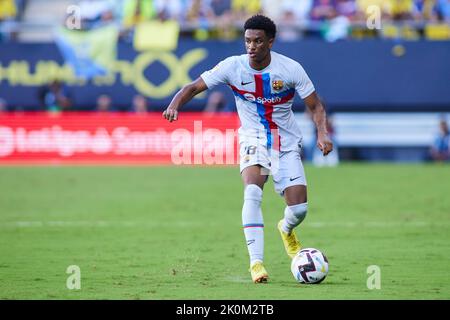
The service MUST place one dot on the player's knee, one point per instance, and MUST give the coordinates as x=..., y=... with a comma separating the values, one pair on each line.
x=299, y=210
x=258, y=180
x=253, y=192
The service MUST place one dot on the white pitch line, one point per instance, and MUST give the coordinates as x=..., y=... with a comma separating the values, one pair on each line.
x=103, y=224
x=191, y=224
x=238, y=279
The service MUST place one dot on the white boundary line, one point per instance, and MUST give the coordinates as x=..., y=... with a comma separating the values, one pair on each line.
x=190, y=224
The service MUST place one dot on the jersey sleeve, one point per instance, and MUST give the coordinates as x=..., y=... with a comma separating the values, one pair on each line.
x=219, y=74
x=303, y=85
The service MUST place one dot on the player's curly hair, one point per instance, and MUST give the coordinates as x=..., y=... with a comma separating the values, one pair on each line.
x=260, y=22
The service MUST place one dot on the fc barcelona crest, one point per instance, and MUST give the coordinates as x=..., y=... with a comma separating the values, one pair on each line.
x=277, y=84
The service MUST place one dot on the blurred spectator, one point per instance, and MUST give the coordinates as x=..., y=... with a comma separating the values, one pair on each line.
x=95, y=13
x=336, y=24
x=337, y=28
x=301, y=11
x=197, y=9
x=170, y=9
x=346, y=8
x=198, y=13
x=390, y=9
x=8, y=9
x=444, y=10
x=401, y=9
x=104, y=103
x=294, y=15
x=136, y=11
x=363, y=5
x=3, y=105
x=20, y=5
x=426, y=10
x=243, y=9
x=323, y=10
x=8, y=17
x=274, y=9
x=140, y=104
x=432, y=12
x=222, y=19
x=220, y=7
x=440, y=150
x=288, y=30
x=55, y=97
x=217, y=102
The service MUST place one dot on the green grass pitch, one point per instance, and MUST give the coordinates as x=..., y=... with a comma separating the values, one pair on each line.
x=175, y=233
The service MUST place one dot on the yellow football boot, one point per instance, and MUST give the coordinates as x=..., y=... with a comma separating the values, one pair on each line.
x=259, y=273
x=290, y=241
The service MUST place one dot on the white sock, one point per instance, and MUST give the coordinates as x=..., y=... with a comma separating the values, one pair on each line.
x=293, y=216
x=252, y=221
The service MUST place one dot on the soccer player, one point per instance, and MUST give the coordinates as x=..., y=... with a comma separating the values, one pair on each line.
x=264, y=83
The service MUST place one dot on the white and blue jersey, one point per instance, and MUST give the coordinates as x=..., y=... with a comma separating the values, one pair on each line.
x=264, y=97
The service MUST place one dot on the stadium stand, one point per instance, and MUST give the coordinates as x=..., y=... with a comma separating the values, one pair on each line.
x=206, y=19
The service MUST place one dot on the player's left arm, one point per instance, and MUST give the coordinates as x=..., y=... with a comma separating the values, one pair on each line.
x=319, y=117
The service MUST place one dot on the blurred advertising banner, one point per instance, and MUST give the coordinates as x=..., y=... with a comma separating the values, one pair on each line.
x=350, y=76
x=118, y=138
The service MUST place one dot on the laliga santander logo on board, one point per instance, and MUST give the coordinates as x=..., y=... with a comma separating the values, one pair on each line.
x=66, y=143
x=117, y=138
x=195, y=138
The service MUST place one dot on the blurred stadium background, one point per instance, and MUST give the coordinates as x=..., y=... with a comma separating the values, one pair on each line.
x=385, y=82
x=85, y=82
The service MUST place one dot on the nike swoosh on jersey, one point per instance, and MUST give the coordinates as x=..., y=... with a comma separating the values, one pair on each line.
x=245, y=83
x=292, y=179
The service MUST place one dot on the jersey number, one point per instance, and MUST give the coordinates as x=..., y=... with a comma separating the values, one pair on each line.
x=250, y=150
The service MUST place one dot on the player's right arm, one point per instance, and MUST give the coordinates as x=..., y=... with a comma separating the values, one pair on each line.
x=182, y=97
x=207, y=80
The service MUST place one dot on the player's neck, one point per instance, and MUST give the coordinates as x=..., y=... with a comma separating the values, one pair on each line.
x=260, y=65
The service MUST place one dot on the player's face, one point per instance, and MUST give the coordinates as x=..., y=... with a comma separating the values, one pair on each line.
x=257, y=43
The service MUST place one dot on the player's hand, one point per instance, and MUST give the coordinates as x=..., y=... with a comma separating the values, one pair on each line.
x=324, y=144
x=170, y=114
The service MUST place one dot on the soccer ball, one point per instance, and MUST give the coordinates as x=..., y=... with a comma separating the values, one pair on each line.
x=309, y=266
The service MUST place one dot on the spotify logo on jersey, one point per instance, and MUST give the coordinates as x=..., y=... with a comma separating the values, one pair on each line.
x=249, y=97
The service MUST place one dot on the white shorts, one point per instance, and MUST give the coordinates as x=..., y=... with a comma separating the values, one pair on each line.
x=286, y=167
